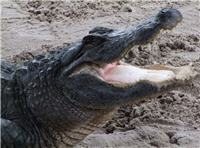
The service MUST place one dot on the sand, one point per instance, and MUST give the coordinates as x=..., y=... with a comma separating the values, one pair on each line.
x=171, y=120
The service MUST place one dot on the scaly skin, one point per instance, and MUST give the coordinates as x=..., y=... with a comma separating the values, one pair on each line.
x=60, y=99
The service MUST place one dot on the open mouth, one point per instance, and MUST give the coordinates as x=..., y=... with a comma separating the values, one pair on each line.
x=121, y=73
x=124, y=74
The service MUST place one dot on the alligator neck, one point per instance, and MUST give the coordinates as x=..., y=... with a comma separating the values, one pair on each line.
x=69, y=123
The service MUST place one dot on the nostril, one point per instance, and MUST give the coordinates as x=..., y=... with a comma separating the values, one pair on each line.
x=162, y=11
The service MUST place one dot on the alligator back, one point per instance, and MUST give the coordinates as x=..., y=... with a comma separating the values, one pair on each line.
x=12, y=136
x=7, y=68
x=7, y=87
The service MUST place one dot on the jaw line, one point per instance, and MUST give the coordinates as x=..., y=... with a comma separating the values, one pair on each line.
x=125, y=75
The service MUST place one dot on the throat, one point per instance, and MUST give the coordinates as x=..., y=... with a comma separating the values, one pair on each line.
x=106, y=70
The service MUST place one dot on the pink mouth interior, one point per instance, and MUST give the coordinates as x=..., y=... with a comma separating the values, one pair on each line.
x=128, y=74
x=104, y=71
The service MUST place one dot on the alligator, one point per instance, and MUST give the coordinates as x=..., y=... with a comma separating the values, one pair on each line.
x=59, y=99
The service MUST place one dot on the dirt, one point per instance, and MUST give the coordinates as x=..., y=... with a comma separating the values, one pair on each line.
x=171, y=120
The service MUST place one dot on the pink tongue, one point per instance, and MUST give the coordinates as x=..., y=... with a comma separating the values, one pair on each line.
x=104, y=71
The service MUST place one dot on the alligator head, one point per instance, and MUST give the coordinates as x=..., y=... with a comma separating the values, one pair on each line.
x=72, y=92
x=97, y=79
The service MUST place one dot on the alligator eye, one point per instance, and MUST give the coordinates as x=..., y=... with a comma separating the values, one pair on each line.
x=93, y=40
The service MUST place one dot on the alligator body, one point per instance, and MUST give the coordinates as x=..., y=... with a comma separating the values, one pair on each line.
x=63, y=97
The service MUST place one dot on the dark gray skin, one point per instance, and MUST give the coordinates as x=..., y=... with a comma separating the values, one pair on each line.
x=52, y=100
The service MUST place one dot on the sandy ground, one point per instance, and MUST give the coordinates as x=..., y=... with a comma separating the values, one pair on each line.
x=168, y=121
